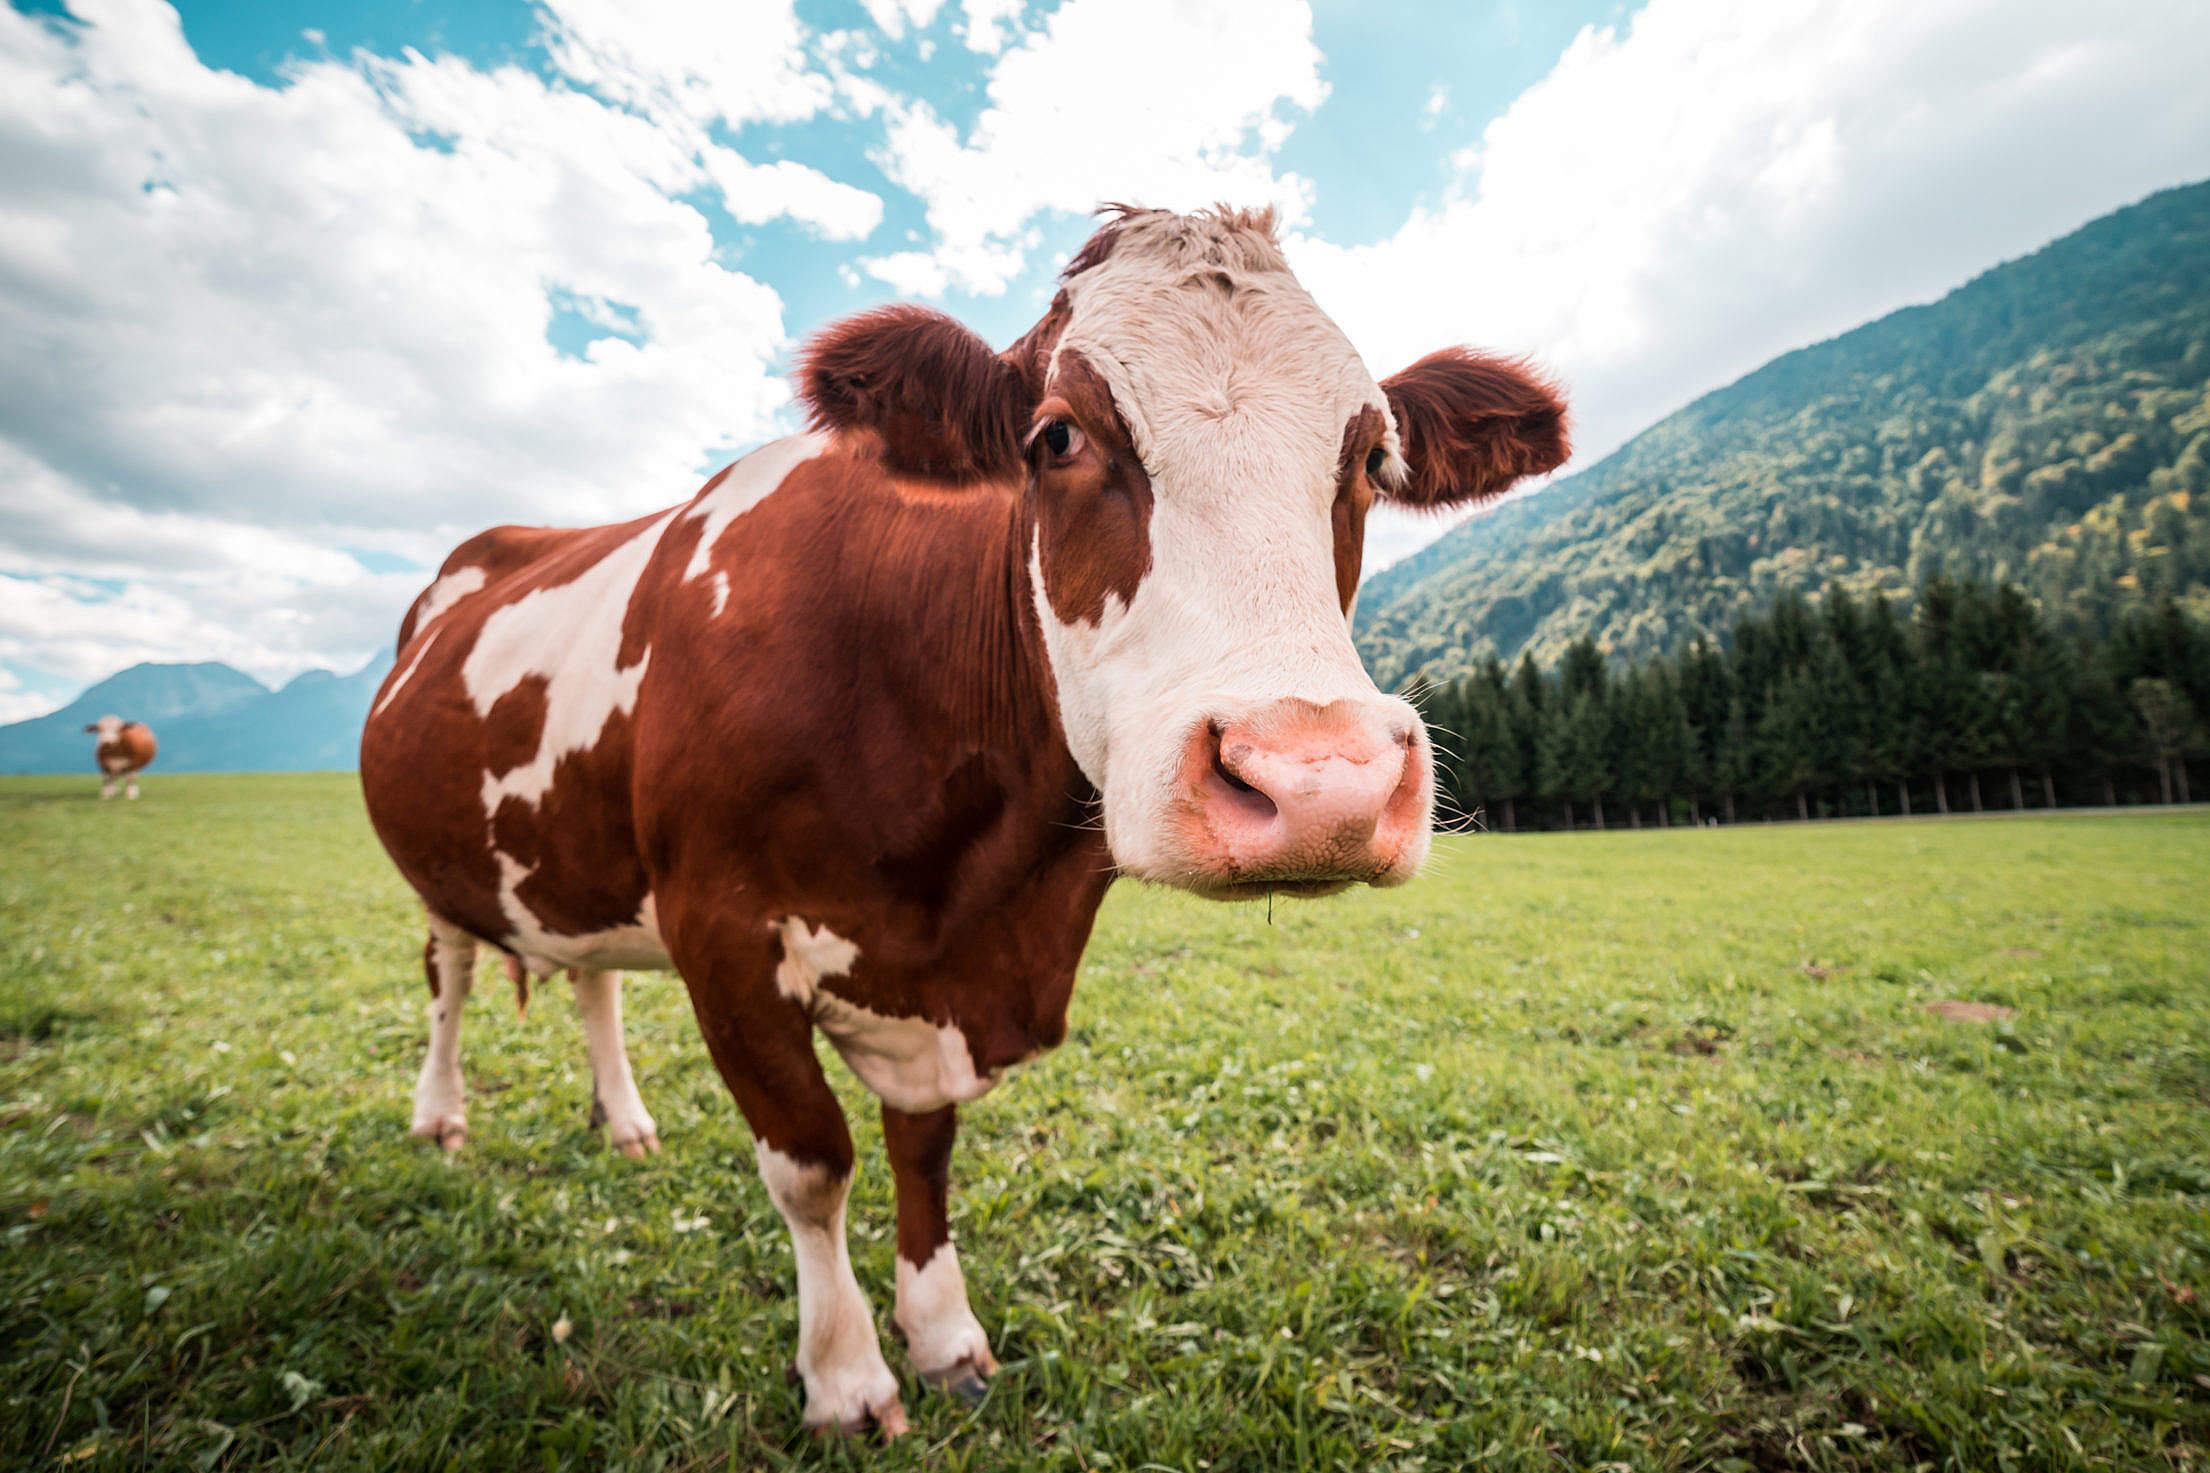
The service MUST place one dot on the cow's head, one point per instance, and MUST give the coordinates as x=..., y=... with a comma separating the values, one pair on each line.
x=1200, y=446
x=107, y=728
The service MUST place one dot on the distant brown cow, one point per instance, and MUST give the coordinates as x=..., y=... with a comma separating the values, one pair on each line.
x=857, y=737
x=124, y=749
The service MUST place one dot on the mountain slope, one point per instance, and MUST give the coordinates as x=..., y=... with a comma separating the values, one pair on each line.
x=208, y=718
x=2046, y=423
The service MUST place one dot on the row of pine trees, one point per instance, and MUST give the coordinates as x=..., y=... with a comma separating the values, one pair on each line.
x=1833, y=709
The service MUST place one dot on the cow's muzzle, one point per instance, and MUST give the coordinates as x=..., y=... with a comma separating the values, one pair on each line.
x=1303, y=798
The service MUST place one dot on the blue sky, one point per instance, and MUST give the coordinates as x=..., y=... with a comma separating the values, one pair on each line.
x=292, y=298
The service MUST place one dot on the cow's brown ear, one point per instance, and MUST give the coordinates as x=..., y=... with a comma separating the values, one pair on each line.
x=93, y=726
x=1471, y=425
x=944, y=405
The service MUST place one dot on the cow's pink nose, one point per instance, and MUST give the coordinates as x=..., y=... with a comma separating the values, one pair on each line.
x=1303, y=794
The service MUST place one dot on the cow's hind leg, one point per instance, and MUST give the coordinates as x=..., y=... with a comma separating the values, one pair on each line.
x=942, y=1336
x=615, y=1102
x=130, y=787
x=440, y=1106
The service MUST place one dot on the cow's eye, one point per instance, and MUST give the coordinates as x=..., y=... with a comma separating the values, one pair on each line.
x=1374, y=459
x=1062, y=439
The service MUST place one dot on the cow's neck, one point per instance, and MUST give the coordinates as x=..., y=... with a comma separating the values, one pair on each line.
x=946, y=583
x=987, y=845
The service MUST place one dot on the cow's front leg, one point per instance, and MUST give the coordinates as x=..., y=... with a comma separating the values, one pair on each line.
x=941, y=1333
x=848, y=1385
x=762, y=1043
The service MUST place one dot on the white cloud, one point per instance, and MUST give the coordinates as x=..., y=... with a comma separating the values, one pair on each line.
x=89, y=586
x=1150, y=101
x=736, y=61
x=274, y=304
x=1726, y=179
x=267, y=626
x=986, y=25
x=1432, y=110
x=910, y=273
x=19, y=702
x=755, y=193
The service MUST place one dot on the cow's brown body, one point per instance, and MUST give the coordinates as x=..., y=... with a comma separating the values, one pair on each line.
x=804, y=740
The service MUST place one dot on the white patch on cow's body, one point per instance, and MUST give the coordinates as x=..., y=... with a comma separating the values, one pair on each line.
x=422, y=643
x=721, y=593
x=435, y=601
x=572, y=636
x=444, y=593
x=636, y=947
x=941, y=1331
x=911, y=1064
x=839, y=1358
x=744, y=486
x=809, y=954
x=1236, y=389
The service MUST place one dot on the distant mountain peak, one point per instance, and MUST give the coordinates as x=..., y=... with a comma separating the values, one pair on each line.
x=156, y=692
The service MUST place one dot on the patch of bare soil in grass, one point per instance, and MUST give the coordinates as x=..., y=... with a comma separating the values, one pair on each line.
x=1956, y=1011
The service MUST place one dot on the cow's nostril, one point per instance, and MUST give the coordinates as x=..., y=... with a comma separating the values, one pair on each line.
x=1233, y=794
x=1220, y=769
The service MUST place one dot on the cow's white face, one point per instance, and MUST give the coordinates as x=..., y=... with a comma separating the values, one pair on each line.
x=1200, y=446
x=106, y=729
x=1204, y=453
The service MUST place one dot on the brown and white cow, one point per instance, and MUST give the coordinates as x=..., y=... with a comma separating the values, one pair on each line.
x=856, y=738
x=123, y=749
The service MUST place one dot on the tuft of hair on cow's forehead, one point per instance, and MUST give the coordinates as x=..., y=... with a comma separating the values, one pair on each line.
x=1223, y=236
x=1196, y=321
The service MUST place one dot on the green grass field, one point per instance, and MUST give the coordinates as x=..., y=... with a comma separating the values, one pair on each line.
x=1639, y=1150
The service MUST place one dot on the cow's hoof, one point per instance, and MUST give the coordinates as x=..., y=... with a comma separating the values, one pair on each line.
x=965, y=1381
x=967, y=1378
x=639, y=1147
x=856, y=1400
x=449, y=1131
x=888, y=1418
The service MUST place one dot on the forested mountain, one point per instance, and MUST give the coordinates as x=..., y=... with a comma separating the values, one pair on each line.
x=208, y=718
x=2046, y=425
